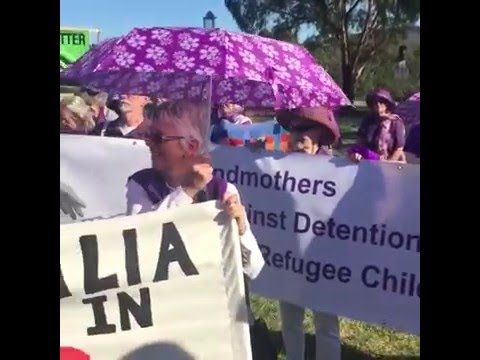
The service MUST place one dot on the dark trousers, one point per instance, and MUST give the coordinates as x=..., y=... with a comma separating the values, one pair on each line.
x=261, y=343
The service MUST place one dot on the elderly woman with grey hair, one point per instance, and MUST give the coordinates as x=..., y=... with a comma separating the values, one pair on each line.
x=97, y=100
x=75, y=116
x=181, y=173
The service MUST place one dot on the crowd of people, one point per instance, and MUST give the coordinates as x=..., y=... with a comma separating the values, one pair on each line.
x=382, y=135
x=181, y=173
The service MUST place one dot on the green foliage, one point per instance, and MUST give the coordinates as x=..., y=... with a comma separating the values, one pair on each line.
x=380, y=73
x=355, y=31
x=281, y=32
x=326, y=53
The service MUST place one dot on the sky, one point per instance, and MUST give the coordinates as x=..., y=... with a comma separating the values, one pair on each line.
x=117, y=17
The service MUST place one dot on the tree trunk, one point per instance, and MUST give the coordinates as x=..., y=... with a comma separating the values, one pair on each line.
x=348, y=81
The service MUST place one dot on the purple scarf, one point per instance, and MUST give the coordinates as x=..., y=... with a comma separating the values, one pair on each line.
x=366, y=153
x=380, y=136
x=157, y=189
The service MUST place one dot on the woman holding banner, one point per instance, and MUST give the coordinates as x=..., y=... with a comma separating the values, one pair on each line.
x=181, y=174
x=312, y=132
x=381, y=135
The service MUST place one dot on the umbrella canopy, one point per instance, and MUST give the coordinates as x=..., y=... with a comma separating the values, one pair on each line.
x=178, y=63
x=409, y=110
x=87, y=62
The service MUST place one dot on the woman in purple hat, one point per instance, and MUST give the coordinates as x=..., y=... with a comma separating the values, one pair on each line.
x=312, y=131
x=381, y=135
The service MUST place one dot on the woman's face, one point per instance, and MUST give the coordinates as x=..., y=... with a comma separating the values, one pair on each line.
x=167, y=147
x=93, y=103
x=94, y=110
x=305, y=141
x=68, y=119
x=380, y=108
x=223, y=110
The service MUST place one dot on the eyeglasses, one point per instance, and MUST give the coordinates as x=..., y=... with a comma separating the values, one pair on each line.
x=161, y=139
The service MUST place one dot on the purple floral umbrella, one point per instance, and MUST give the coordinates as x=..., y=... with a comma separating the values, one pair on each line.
x=87, y=61
x=409, y=110
x=181, y=62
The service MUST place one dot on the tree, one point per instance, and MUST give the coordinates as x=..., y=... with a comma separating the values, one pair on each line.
x=358, y=29
x=380, y=73
x=325, y=51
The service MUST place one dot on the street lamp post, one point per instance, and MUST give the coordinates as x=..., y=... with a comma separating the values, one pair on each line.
x=209, y=20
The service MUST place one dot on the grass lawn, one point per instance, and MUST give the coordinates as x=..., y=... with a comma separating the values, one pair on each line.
x=360, y=341
x=348, y=127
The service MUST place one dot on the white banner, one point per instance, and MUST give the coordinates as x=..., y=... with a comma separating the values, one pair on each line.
x=96, y=168
x=337, y=237
x=152, y=286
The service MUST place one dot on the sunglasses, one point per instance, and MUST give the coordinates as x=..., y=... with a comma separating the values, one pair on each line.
x=161, y=139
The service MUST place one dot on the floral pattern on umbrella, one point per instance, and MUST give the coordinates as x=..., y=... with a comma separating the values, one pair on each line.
x=178, y=63
x=88, y=62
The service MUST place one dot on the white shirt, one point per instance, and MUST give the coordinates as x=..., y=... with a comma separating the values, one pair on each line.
x=138, y=202
x=125, y=129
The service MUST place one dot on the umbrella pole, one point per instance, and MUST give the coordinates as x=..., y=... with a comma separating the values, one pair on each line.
x=207, y=146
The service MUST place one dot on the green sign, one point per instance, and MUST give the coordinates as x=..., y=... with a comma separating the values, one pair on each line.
x=73, y=44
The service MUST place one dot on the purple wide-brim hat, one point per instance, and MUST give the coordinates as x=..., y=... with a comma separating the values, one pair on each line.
x=289, y=119
x=383, y=96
